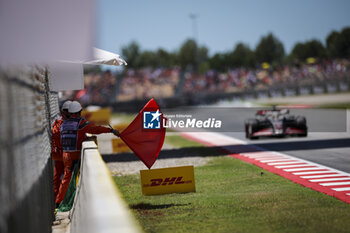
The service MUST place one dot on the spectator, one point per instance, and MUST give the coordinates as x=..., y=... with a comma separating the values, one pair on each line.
x=162, y=83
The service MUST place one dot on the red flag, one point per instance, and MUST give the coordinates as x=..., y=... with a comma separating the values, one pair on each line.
x=145, y=135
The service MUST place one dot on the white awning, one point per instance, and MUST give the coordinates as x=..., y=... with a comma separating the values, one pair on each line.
x=103, y=57
x=69, y=75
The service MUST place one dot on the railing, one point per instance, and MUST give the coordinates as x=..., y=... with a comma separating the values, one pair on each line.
x=27, y=110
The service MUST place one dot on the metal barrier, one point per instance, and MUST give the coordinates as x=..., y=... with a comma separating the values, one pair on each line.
x=98, y=207
x=28, y=108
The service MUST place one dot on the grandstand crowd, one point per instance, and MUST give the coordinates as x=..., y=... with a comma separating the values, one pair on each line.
x=106, y=87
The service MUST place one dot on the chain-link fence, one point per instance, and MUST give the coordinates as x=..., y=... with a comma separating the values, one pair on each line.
x=27, y=110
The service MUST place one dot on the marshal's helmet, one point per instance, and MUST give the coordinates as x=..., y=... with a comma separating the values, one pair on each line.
x=74, y=107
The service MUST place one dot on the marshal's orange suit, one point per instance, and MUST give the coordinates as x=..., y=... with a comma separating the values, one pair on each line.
x=72, y=138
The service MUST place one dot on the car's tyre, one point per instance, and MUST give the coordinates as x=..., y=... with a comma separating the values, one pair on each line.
x=303, y=134
x=301, y=124
x=246, y=128
x=250, y=126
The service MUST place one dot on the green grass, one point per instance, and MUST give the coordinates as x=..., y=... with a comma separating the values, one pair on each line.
x=269, y=105
x=233, y=196
x=180, y=142
x=335, y=105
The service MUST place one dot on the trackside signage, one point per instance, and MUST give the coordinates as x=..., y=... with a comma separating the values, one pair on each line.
x=168, y=180
x=119, y=145
x=100, y=116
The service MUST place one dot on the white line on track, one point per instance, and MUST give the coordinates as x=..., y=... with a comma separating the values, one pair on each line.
x=264, y=156
x=321, y=176
x=258, y=154
x=334, y=183
x=268, y=157
x=274, y=160
x=341, y=189
x=295, y=165
x=271, y=158
x=302, y=169
x=281, y=163
x=330, y=179
x=309, y=173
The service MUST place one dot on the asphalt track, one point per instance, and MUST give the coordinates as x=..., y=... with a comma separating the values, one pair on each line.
x=328, y=141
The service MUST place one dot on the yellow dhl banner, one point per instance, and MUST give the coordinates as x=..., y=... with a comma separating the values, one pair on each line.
x=99, y=117
x=119, y=145
x=120, y=127
x=168, y=180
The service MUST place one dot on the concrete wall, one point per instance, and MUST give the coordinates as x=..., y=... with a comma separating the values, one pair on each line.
x=98, y=207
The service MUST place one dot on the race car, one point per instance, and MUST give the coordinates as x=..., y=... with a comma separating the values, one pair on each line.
x=275, y=122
